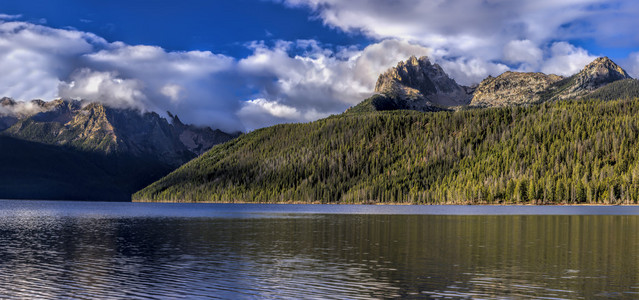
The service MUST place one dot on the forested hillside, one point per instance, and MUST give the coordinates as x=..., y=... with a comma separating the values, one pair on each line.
x=575, y=151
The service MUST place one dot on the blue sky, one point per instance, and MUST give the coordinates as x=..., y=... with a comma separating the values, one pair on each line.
x=213, y=25
x=246, y=64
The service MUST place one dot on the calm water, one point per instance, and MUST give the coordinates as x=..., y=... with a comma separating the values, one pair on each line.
x=131, y=250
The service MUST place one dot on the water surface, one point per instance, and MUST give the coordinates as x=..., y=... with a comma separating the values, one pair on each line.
x=146, y=250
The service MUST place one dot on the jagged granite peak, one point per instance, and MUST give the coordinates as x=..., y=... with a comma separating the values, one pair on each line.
x=91, y=126
x=422, y=84
x=512, y=88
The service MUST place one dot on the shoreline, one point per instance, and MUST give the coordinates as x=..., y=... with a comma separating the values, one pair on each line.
x=393, y=204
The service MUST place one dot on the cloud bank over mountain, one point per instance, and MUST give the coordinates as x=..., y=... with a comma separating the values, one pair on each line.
x=272, y=85
x=303, y=80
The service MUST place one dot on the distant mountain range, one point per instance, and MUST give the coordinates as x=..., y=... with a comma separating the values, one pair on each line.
x=514, y=138
x=110, y=150
x=418, y=84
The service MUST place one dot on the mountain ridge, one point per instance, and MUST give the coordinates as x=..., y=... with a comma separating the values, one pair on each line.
x=417, y=84
x=107, y=153
x=384, y=151
x=96, y=127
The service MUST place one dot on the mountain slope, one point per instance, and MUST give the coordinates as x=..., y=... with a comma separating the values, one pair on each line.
x=95, y=127
x=38, y=171
x=87, y=151
x=599, y=73
x=512, y=88
x=565, y=151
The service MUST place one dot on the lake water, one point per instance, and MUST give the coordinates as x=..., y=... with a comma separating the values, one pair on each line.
x=145, y=250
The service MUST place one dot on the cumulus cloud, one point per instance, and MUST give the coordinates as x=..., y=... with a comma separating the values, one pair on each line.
x=35, y=58
x=523, y=52
x=631, y=64
x=318, y=82
x=566, y=59
x=484, y=36
x=287, y=81
x=303, y=80
x=105, y=87
x=46, y=63
x=460, y=26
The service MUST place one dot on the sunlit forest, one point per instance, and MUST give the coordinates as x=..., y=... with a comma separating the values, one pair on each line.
x=576, y=151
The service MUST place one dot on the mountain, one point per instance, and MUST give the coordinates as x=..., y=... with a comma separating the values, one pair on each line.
x=139, y=147
x=418, y=84
x=33, y=170
x=599, y=73
x=99, y=128
x=512, y=88
x=582, y=151
x=380, y=151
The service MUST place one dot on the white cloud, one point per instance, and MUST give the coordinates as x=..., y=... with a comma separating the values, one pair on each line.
x=460, y=26
x=46, y=63
x=566, y=59
x=105, y=87
x=20, y=108
x=480, y=36
x=173, y=91
x=318, y=82
x=471, y=71
x=523, y=52
x=293, y=81
x=632, y=64
x=9, y=17
x=35, y=58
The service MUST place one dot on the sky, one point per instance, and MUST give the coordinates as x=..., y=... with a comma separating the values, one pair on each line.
x=247, y=64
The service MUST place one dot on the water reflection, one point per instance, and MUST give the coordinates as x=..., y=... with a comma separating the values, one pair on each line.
x=322, y=256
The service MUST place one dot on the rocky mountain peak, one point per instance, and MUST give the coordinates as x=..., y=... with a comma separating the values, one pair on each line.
x=420, y=84
x=92, y=126
x=512, y=88
x=599, y=73
x=6, y=101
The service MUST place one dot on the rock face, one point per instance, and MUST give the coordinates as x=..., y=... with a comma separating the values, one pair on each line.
x=512, y=88
x=598, y=73
x=418, y=84
x=97, y=128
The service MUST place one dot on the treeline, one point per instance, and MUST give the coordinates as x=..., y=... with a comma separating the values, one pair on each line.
x=582, y=151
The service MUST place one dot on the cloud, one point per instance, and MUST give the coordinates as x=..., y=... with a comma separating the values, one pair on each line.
x=317, y=82
x=523, y=52
x=106, y=87
x=300, y=80
x=34, y=58
x=46, y=63
x=21, y=108
x=484, y=36
x=566, y=59
x=9, y=17
x=460, y=26
x=632, y=64
x=287, y=81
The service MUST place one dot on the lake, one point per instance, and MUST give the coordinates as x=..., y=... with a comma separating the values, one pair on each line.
x=88, y=250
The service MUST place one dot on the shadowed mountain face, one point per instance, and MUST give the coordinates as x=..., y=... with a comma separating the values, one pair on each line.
x=116, y=151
